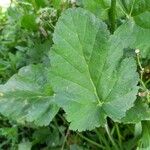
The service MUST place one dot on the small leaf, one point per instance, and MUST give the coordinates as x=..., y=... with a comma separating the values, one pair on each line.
x=140, y=111
x=130, y=35
x=140, y=6
x=97, y=7
x=27, y=96
x=29, y=22
x=135, y=7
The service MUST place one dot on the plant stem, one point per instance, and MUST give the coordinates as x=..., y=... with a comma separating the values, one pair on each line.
x=112, y=16
x=90, y=141
x=124, y=6
x=102, y=139
x=141, y=71
x=110, y=137
x=119, y=136
x=65, y=139
x=132, y=8
x=141, y=77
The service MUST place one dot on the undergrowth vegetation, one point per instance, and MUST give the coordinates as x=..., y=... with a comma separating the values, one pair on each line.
x=75, y=75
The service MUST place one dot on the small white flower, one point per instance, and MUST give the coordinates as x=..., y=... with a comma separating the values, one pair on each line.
x=137, y=51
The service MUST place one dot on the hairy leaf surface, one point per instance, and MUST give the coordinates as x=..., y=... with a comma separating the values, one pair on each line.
x=27, y=96
x=89, y=75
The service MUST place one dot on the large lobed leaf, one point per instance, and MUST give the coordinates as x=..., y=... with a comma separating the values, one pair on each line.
x=27, y=96
x=88, y=73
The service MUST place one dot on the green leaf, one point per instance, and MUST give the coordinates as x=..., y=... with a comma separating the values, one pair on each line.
x=25, y=146
x=41, y=3
x=140, y=6
x=56, y=3
x=143, y=20
x=135, y=7
x=89, y=76
x=98, y=7
x=38, y=52
x=27, y=96
x=131, y=35
x=29, y=22
x=10, y=133
x=144, y=142
x=140, y=111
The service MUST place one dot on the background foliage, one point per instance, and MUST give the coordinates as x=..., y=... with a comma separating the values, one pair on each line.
x=32, y=34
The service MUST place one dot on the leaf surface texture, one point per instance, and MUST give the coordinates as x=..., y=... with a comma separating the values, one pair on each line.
x=89, y=75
